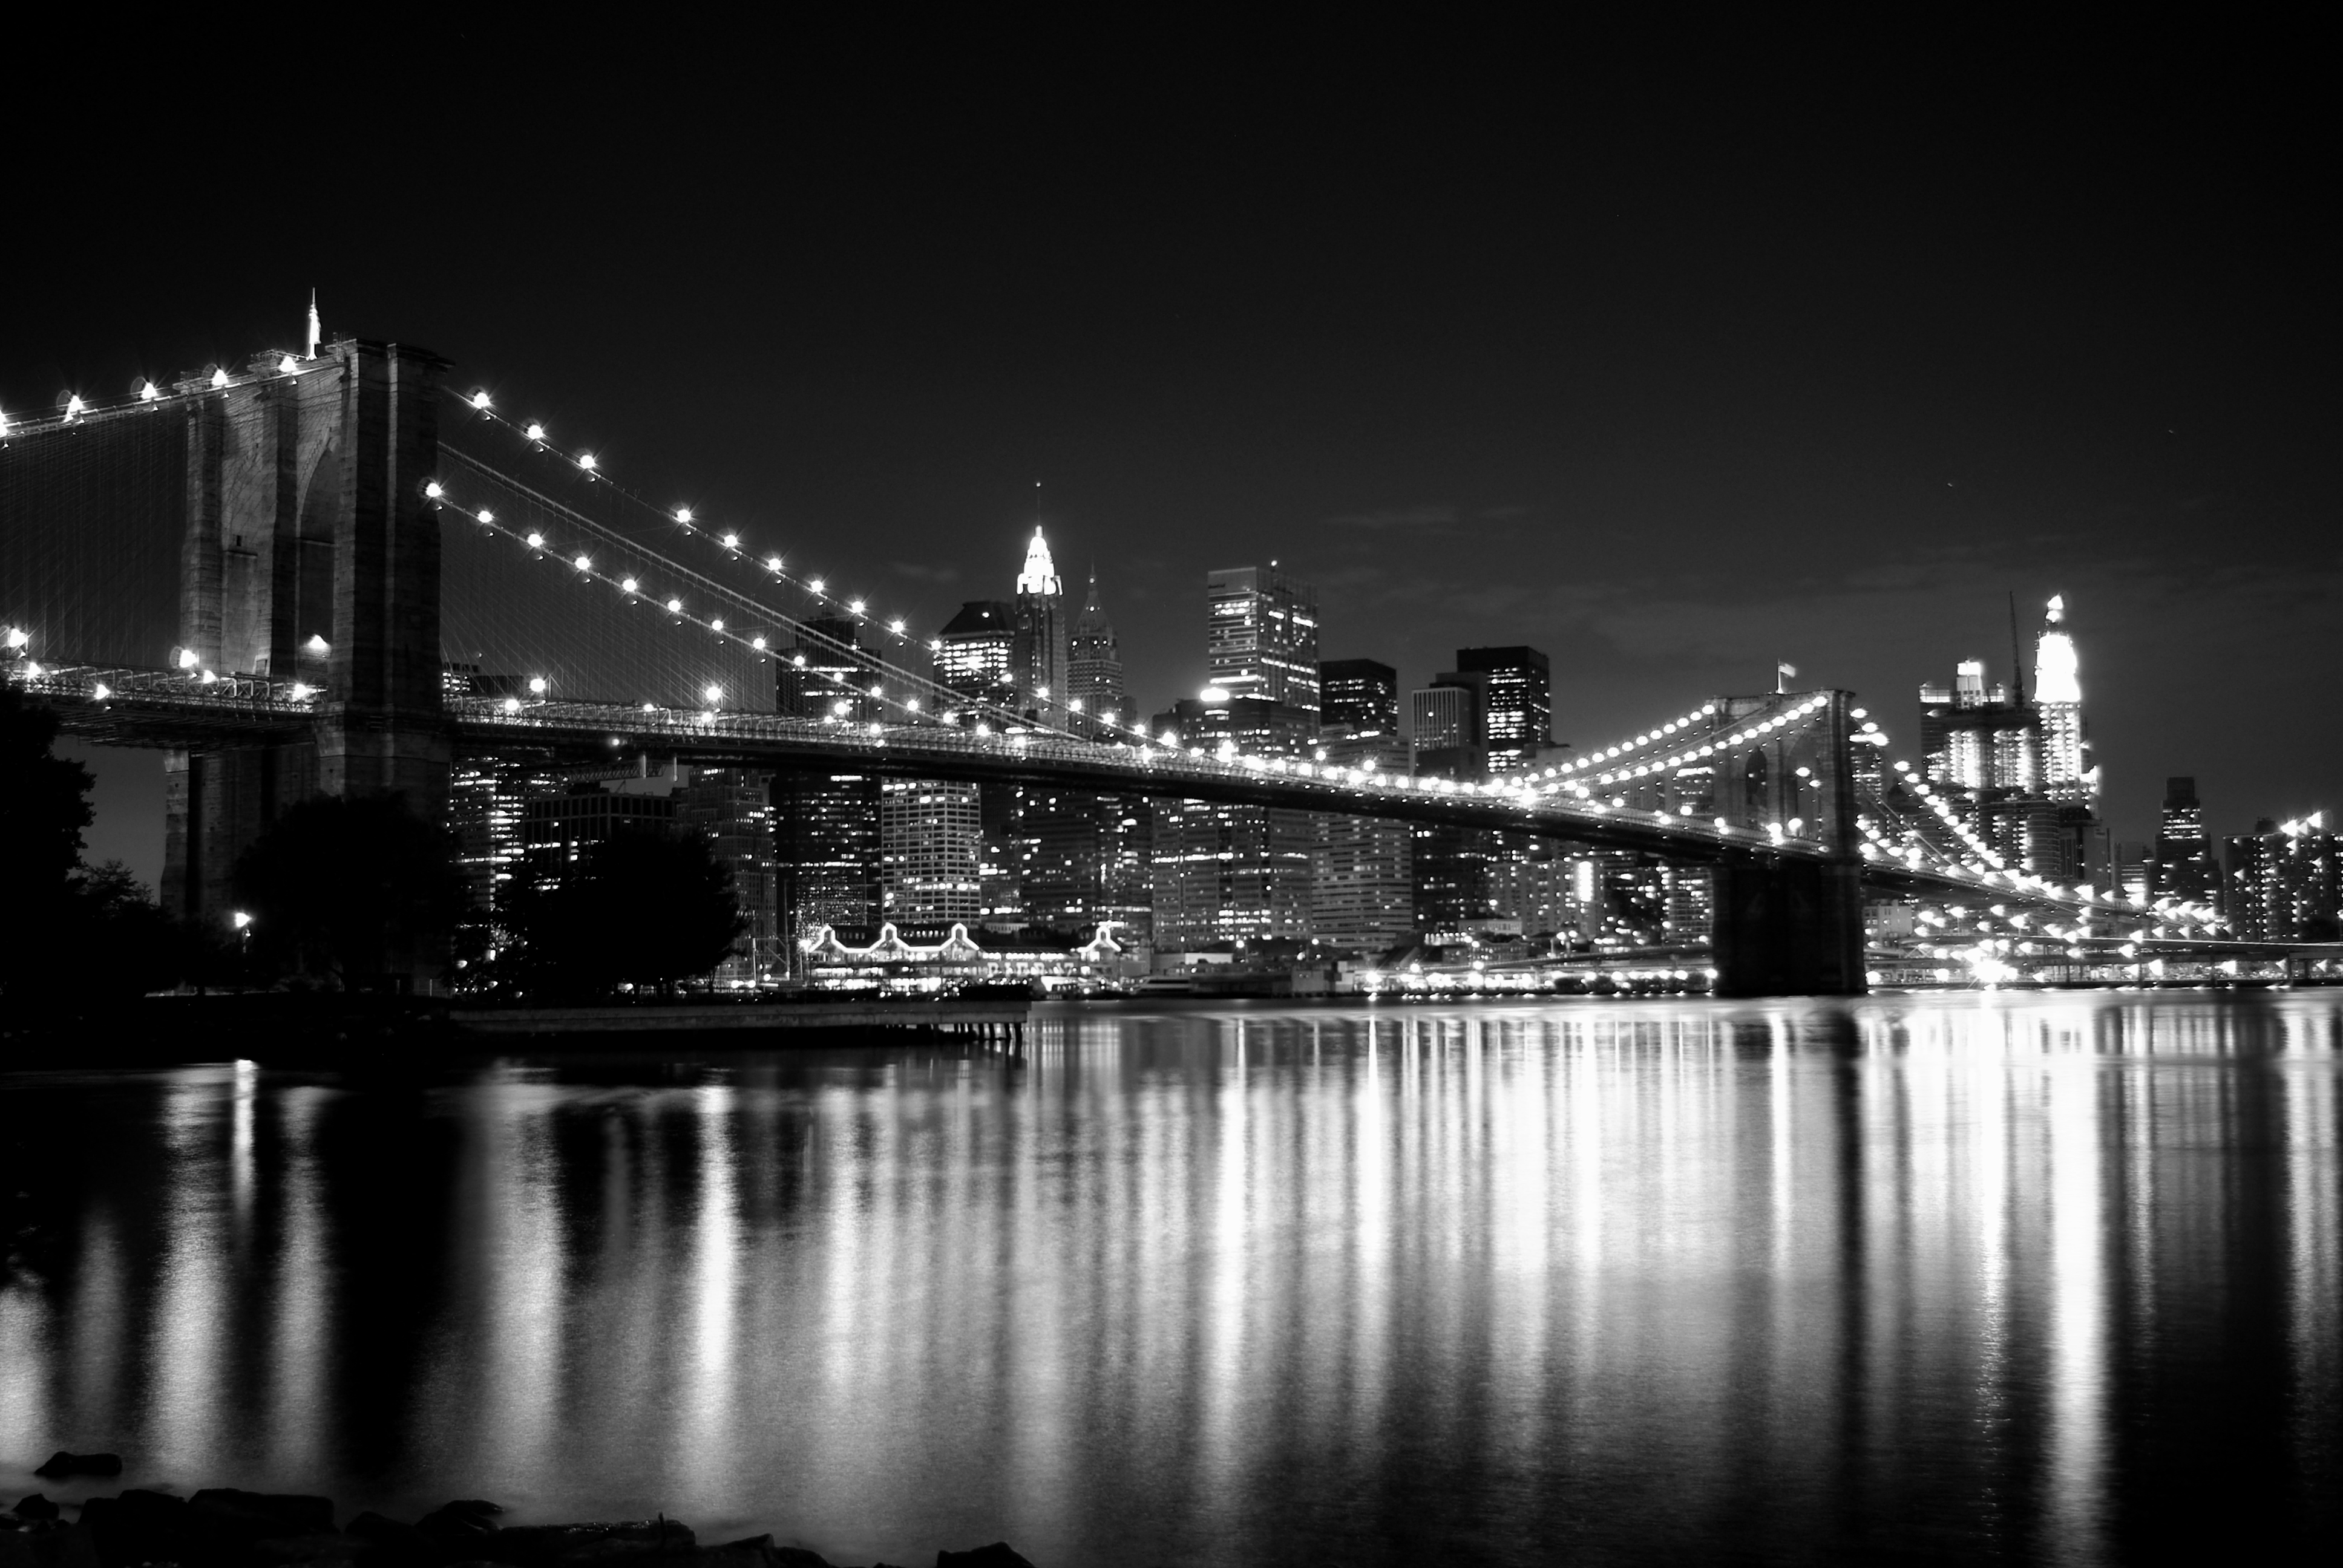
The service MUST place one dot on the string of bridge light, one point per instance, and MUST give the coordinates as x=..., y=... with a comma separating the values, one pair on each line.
x=632, y=588
x=946, y=701
x=75, y=410
x=775, y=567
x=1690, y=754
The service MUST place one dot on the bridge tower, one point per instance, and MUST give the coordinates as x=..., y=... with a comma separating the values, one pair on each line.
x=310, y=555
x=1785, y=926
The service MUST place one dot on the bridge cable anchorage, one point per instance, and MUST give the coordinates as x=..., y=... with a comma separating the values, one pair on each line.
x=1069, y=716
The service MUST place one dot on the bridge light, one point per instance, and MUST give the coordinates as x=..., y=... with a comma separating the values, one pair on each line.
x=773, y=564
x=675, y=607
x=814, y=586
x=584, y=563
x=713, y=693
x=536, y=541
x=758, y=643
x=535, y=432
x=512, y=705
x=75, y=407
x=896, y=626
x=650, y=707
x=34, y=670
x=286, y=366
x=150, y=393
x=912, y=704
x=302, y=691
x=101, y=691
x=479, y=400
x=219, y=379
x=537, y=685
x=855, y=606
x=186, y=658
x=433, y=489
x=585, y=461
x=716, y=625
x=982, y=727
x=18, y=637
x=209, y=678
x=799, y=662
x=935, y=645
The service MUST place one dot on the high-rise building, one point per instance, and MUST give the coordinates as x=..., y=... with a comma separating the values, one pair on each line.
x=1094, y=664
x=733, y=809
x=1448, y=724
x=826, y=674
x=2184, y=855
x=1261, y=635
x=1517, y=703
x=487, y=798
x=1219, y=872
x=826, y=852
x=2283, y=881
x=977, y=653
x=2068, y=775
x=1041, y=655
x=1358, y=698
x=1083, y=860
x=929, y=861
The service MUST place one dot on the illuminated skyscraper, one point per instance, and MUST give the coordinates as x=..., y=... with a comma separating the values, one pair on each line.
x=1362, y=894
x=1041, y=655
x=1261, y=635
x=2184, y=855
x=1358, y=698
x=928, y=851
x=976, y=652
x=1094, y=663
x=1517, y=703
x=2285, y=881
x=2068, y=774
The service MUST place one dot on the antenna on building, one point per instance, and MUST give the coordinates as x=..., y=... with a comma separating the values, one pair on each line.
x=2017, y=656
x=316, y=328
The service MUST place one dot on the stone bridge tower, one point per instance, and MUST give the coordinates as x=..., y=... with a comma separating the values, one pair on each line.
x=310, y=555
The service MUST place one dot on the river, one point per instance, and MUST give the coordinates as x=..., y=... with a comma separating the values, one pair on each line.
x=2021, y=1278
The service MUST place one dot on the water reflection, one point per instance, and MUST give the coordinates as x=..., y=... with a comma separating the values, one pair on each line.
x=2032, y=1279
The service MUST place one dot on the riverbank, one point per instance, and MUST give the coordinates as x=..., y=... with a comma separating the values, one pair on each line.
x=222, y=1527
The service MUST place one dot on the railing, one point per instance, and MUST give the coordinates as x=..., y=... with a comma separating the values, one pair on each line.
x=1154, y=769
x=176, y=688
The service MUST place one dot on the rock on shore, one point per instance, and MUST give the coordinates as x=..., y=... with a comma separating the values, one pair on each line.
x=222, y=1527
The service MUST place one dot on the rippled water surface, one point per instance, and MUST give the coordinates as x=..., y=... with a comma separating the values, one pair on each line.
x=2028, y=1279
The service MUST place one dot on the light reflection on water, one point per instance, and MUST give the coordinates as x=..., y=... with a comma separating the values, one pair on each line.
x=2040, y=1279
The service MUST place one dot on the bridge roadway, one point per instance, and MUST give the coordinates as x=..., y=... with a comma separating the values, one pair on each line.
x=159, y=708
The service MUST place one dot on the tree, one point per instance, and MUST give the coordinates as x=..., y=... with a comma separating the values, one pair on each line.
x=346, y=889
x=43, y=807
x=642, y=908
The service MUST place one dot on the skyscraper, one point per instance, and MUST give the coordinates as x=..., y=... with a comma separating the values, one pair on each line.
x=1361, y=893
x=1040, y=653
x=1261, y=635
x=1517, y=703
x=825, y=824
x=1358, y=698
x=1222, y=872
x=2067, y=773
x=1094, y=663
x=928, y=851
x=1447, y=723
x=2184, y=855
x=2283, y=881
x=977, y=653
x=733, y=808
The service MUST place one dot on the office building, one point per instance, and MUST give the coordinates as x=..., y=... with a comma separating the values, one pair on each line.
x=2283, y=882
x=2184, y=866
x=487, y=798
x=1447, y=722
x=1516, y=693
x=827, y=674
x=1358, y=698
x=930, y=851
x=1040, y=653
x=1219, y=872
x=732, y=807
x=1083, y=859
x=1095, y=666
x=977, y=653
x=826, y=852
x=2069, y=774
x=1261, y=635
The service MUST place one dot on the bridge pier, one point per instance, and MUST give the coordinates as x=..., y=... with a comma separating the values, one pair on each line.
x=1791, y=929
x=310, y=555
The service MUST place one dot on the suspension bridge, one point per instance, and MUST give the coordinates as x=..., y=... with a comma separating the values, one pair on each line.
x=338, y=572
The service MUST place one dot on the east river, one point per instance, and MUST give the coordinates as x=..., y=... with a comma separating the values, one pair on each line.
x=2021, y=1278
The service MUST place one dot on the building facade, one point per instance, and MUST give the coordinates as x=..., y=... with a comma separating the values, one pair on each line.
x=2283, y=882
x=1517, y=703
x=1042, y=651
x=1094, y=665
x=1261, y=635
x=930, y=857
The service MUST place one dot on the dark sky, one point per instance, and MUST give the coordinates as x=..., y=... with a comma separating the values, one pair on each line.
x=1668, y=364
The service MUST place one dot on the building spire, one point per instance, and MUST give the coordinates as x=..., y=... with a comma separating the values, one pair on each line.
x=316, y=328
x=1040, y=573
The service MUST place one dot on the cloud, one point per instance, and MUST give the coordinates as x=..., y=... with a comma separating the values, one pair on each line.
x=926, y=574
x=1436, y=516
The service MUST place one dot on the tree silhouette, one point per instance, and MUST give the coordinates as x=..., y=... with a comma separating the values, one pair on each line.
x=344, y=890
x=640, y=907
x=43, y=807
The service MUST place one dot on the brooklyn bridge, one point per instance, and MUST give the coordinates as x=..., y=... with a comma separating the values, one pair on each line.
x=341, y=571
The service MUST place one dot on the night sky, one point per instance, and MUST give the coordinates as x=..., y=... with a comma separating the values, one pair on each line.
x=1669, y=366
